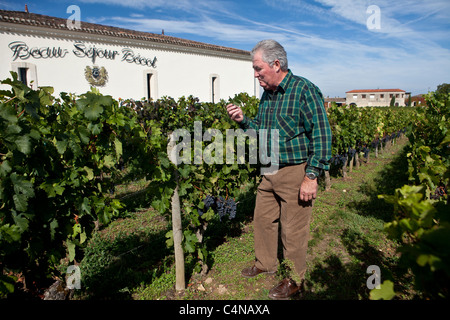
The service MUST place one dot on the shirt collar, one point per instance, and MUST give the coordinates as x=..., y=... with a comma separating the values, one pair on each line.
x=282, y=86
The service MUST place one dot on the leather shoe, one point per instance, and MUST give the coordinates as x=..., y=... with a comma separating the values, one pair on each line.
x=284, y=290
x=253, y=271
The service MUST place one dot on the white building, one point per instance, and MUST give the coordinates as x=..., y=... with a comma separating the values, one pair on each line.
x=377, y=97
x=49, y=51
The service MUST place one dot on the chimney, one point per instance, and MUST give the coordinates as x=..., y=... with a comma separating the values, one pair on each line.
x=26, y=8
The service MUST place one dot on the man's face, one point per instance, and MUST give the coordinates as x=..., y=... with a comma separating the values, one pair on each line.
x=268, y=76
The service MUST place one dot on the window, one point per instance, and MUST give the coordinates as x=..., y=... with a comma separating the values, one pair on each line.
x=355, y=96
x=150, y=84
x=214, y=81
x=23, y=75
x=26, y=73
x=382, y=96
x=363, y=96
x=213, y=88
x=372, y=96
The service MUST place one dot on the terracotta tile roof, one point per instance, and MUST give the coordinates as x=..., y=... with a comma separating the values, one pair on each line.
x=375, y=90
x=39, y=20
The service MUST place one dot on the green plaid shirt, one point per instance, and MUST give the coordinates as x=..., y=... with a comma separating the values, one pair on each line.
x=296, y=109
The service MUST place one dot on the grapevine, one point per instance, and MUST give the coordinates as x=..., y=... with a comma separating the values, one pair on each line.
x=357, y=130
x=61, y=159
x=55, y=156
x=421, y=222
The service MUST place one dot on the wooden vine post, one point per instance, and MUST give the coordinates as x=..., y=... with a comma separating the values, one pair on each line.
x=327, y=180
x=177, y=228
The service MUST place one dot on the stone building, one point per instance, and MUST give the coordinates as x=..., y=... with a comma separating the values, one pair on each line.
x=377, y=97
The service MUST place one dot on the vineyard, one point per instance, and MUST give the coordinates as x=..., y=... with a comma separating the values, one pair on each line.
x=65, y=160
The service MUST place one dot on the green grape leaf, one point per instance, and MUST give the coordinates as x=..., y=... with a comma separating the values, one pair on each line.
x=386, y=291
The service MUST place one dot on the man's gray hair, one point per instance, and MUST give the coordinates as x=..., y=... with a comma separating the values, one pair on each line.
x=271, y=51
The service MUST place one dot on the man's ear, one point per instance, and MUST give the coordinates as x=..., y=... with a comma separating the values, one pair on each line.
x=277, y=65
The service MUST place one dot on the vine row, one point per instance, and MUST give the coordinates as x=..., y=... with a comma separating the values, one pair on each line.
x=61, y=158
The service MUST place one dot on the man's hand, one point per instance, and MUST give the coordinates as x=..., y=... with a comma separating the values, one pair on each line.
x=308, y=189
x=235, y=112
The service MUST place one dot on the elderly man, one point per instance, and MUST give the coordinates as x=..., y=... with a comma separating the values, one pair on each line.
x=294, y=106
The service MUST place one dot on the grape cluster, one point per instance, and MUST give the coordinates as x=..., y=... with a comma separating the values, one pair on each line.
x=339, y=159
x=366, y=152
x=221, y=206
x=375, y=143
x=230, y=208
x=440, y=192
x=390, y=137
x=209, y=201
x=351, y=152
x=226, y=207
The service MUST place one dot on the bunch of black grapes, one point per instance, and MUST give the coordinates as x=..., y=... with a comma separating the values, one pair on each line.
x=339, y=159
x=440, y=192
x=220, y=206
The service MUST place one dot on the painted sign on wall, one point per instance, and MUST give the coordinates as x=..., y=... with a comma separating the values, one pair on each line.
x=22, y=51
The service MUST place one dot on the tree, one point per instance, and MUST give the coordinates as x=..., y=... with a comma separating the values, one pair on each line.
x=443, y=89
x=392, y=101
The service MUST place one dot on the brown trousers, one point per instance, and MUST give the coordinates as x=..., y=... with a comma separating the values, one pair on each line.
x=277, y=201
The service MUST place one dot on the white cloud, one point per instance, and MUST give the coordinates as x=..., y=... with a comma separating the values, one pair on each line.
x=400, y=54
x=338, y=57
x=202, y=28
x=393, y=13
x=182, y=5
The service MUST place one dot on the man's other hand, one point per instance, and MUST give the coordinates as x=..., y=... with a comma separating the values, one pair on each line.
x=308, y=189
x=235, y=112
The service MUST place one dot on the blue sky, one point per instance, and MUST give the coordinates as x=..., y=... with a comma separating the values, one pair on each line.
x=337, y=44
